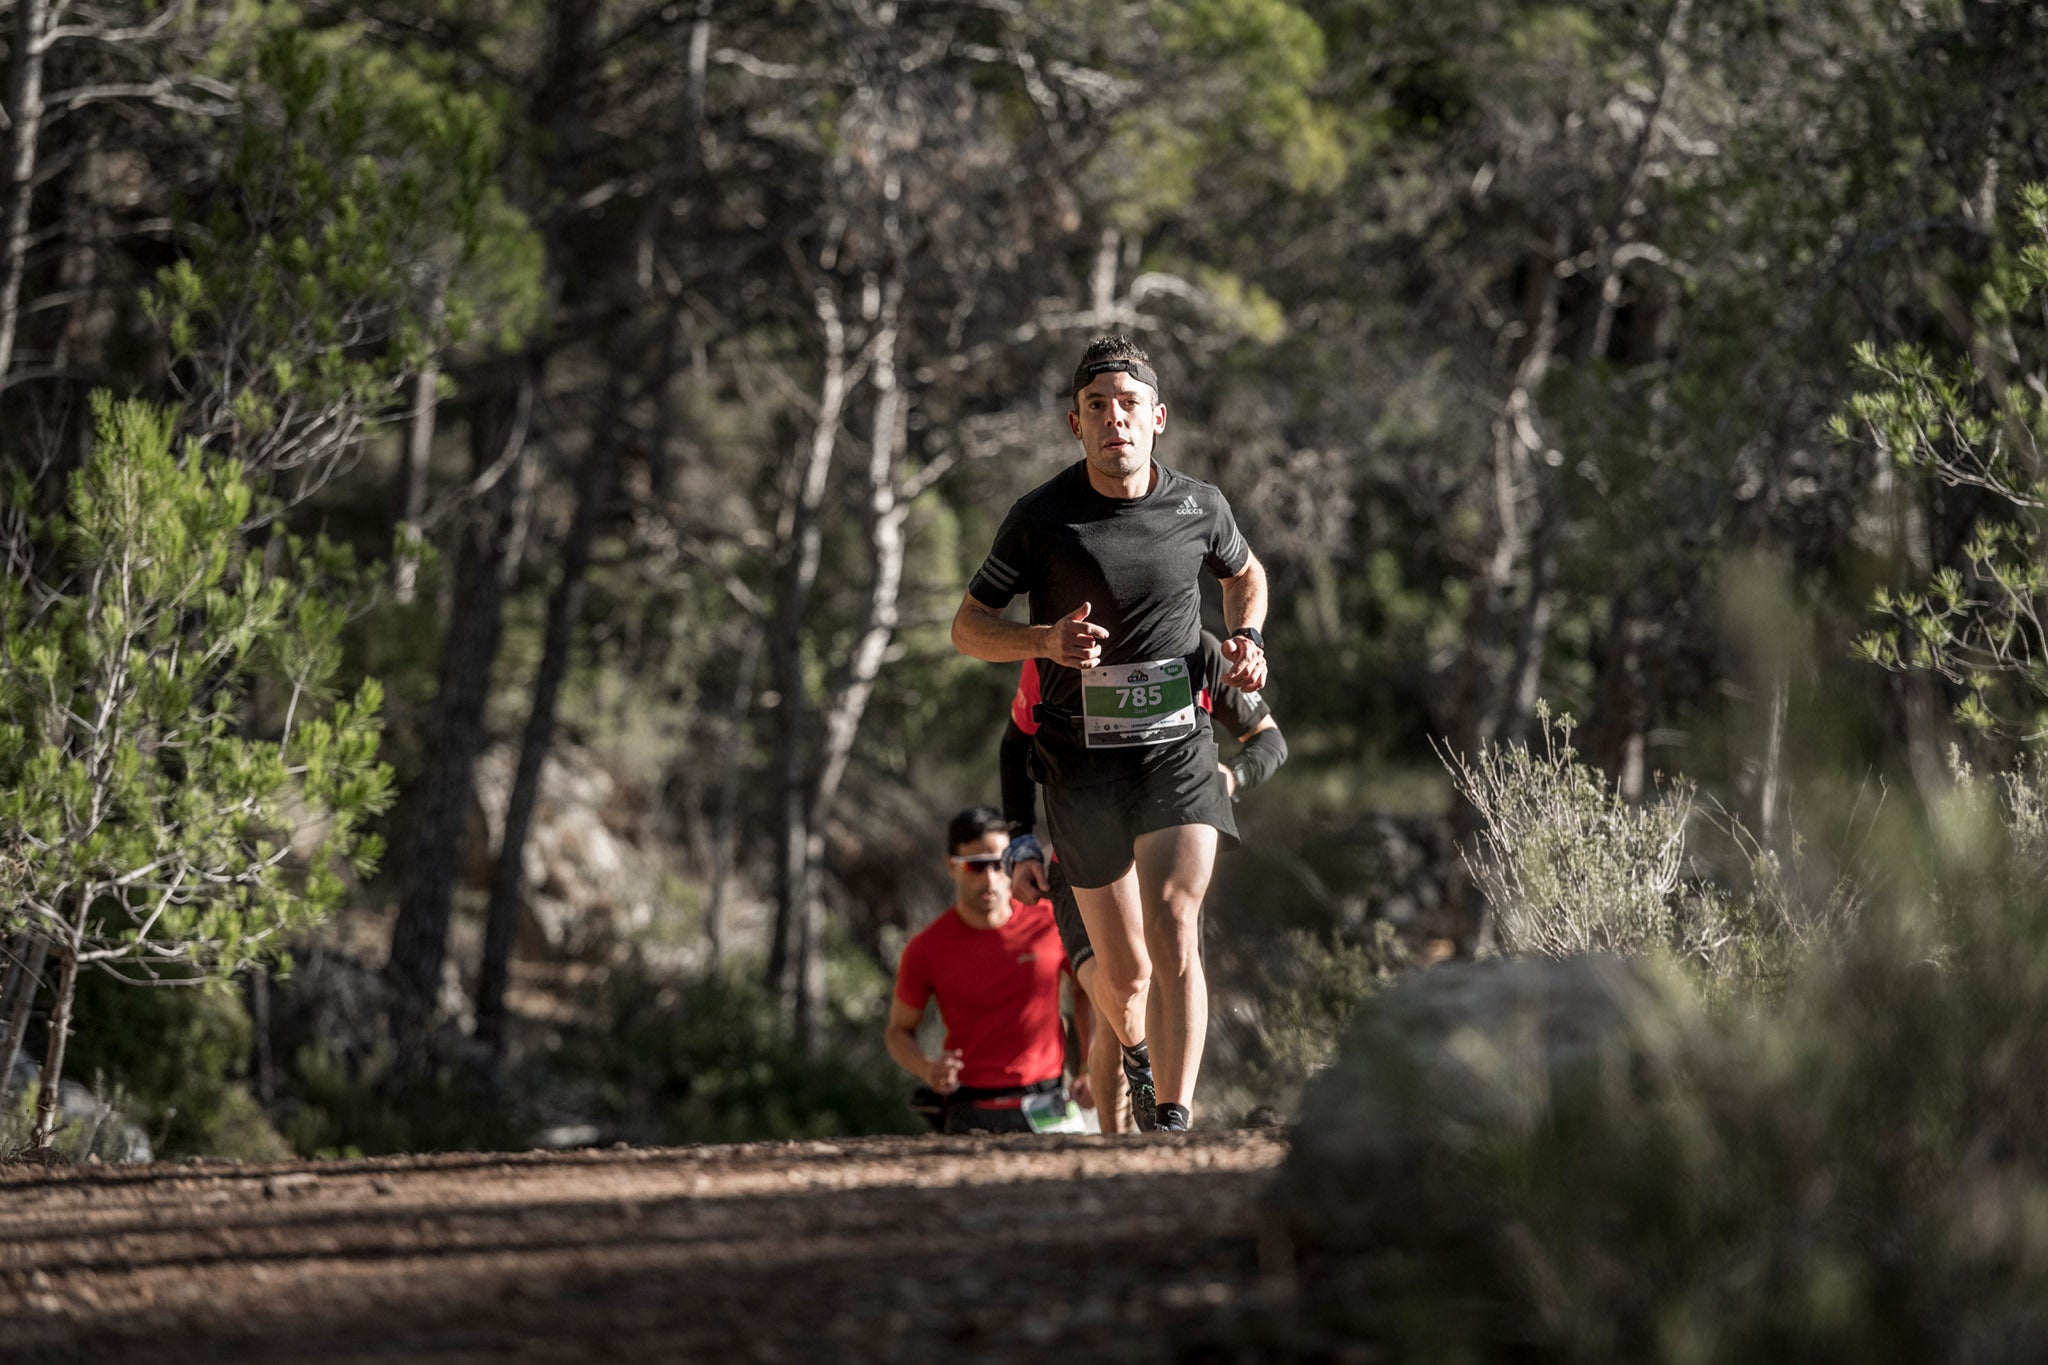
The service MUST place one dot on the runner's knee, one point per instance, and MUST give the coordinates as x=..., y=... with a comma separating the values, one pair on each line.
x=1124, y=982
x=1174, y=942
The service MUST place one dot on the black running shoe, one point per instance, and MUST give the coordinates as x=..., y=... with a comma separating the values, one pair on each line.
x=1138, y=1079
x=1173, y=1118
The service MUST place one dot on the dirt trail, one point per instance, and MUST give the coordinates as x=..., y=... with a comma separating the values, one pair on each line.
x=871, y=1249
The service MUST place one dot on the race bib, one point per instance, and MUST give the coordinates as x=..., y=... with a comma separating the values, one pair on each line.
x=1053, y=1112
x=1145, y=703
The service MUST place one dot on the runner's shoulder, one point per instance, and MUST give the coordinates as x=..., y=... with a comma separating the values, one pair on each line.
x=1182, y=482
x=1050, y=499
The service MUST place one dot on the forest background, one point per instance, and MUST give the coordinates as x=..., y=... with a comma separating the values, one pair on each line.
x=625, y=392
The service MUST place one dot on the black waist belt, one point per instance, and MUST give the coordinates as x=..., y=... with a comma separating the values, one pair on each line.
x=968, y=1094
x=1059, y=717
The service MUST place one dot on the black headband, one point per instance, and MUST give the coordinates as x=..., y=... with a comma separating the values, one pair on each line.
x=1136, y=369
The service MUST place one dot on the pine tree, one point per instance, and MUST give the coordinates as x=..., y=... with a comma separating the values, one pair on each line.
x=144, y=829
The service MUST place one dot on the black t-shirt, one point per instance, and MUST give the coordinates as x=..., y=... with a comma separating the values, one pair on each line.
x=1137, y=562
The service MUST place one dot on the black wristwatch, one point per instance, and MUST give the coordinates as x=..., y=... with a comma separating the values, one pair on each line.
x=1250, y=633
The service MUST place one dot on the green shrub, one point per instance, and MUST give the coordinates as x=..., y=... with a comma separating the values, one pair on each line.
x=1308, y=995
x=709, y=1061
x=181, y=1056
x=351, y=1103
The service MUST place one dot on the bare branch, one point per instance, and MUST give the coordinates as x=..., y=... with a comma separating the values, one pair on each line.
x=774, y=71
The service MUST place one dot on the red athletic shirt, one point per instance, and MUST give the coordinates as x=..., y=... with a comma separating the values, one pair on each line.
x=998, y=991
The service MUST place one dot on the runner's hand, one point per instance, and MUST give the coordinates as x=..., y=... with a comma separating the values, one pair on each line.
x=1077, y=641
x=1028, y=883
x=943, y=1072
x=1083, y=1092
x=1024, y=860
x=1247, y=670
x=1025, y=848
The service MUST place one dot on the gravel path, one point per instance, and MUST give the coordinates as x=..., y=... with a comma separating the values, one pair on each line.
x=871, y=1249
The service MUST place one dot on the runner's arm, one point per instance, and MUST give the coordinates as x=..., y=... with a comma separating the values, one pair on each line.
x=1020, y=793
x=1244, y=604
x=1265, y=749
x=1244, y=597
x=941, y=1073
x=982, y=632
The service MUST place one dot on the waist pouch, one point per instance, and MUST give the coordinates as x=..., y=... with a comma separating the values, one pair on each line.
x=1064, y=720
x=1001, y=1096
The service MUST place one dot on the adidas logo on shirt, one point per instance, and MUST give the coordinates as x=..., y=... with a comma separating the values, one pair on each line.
x=1188, y=507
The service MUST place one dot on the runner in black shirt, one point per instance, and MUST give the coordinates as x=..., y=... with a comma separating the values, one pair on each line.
x=1110, y=553
x=1242, y=716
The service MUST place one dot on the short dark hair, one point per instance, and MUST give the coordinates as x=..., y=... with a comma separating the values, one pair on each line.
x=1105, y=354
x=971, y=824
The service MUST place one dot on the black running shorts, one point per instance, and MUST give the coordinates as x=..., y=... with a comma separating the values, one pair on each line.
x=1095, y=827
x=1066, y=916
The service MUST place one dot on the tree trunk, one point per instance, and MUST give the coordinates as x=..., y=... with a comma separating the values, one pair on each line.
x=725, y=828
x=262, y=1061
x=1768, y=800
x=565, y=610
x=24, y=109
x=802, y=542
x=1490, y=686
x=1532, y=639
x=48, y=1088
x=562, y=106
x=1486, y=686
x=419, y=940
x=24, y=977
x=413, y=469
x=848, y=699
x=1617, y=733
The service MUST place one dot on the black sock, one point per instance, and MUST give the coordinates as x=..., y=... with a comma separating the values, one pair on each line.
x=1172, y=1118
x=1136, y=1055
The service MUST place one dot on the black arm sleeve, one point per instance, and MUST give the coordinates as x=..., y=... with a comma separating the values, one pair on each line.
x=1020, y=793
x=1259, y=759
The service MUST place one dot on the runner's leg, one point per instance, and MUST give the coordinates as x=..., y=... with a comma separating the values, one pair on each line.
x=1105, y=1062
x=1122, y=969
x=1173, y=867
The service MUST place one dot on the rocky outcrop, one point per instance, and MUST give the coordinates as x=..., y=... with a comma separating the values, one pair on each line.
x=1439, y=1062
x=593, y=870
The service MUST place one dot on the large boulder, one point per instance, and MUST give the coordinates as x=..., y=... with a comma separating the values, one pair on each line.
x=1444, y=1060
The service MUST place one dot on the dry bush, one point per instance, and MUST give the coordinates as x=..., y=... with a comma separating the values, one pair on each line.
x=1569, y=867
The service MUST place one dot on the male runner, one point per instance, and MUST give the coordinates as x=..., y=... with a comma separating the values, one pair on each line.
x=1110, y=553
x=1262, y=750
x=994, y=967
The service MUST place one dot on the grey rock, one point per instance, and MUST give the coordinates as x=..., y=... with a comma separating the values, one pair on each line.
x=1436, y=1062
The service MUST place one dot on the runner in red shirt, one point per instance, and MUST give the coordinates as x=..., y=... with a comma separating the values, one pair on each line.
x=993, y=964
